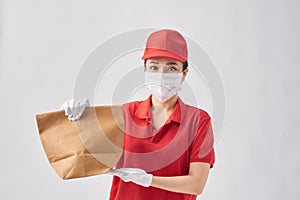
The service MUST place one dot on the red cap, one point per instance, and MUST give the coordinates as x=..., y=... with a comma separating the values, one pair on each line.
x=166, y=43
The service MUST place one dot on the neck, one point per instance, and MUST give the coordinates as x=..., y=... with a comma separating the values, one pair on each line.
x=167, y=105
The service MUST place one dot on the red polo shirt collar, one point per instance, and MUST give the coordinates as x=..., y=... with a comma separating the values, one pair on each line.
x=143, y=110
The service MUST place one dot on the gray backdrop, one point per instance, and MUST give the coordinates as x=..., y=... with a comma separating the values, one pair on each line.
x=253, y=44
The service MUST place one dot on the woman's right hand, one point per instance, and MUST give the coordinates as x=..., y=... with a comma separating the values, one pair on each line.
x=74, y=108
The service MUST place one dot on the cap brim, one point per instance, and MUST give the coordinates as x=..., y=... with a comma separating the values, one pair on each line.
x=158, y=53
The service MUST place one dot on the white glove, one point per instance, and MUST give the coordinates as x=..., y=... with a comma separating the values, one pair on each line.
x=135, y=175
x=74, y=108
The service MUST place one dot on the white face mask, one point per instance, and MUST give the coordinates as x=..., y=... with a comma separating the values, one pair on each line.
x=163, y=85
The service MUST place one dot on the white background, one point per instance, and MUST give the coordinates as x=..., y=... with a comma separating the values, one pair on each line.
x=254, y=44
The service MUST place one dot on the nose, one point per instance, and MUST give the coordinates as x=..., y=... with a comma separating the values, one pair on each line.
x=162, y=70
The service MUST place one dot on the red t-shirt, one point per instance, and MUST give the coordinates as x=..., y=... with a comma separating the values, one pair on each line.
x=185, y=137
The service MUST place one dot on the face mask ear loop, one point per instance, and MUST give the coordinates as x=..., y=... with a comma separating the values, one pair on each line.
x=182, y=77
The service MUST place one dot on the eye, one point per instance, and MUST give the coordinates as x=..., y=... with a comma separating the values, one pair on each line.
x=172, y=69
x=153, y=67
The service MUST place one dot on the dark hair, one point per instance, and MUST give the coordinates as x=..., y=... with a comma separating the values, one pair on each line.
x=184, y=64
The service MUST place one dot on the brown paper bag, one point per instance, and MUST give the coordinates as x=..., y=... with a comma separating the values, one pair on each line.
x=89, y=146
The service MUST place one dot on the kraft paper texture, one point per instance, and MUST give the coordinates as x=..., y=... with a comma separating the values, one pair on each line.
x=89, y=146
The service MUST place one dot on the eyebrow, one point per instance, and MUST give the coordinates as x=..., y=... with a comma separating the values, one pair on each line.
x=154, y=62
x=169, y=63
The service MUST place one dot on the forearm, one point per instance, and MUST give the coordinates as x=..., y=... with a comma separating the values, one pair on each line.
x=182, y=184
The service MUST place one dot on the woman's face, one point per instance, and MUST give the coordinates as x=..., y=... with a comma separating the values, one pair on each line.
x=165, y=65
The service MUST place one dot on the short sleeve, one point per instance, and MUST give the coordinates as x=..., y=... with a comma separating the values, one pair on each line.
x=202, y=147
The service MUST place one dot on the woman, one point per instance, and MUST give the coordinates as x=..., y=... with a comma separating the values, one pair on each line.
x=168, y=145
